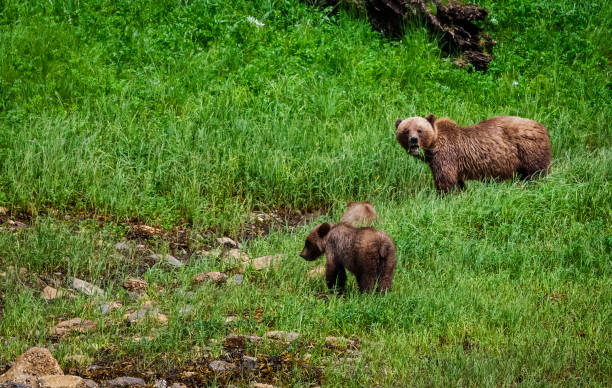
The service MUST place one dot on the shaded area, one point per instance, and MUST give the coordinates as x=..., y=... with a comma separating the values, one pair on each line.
x=275, y=369
x=458, y=24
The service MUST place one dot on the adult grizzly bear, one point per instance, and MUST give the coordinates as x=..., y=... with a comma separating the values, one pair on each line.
x=366, y=252
x=359, y=213
x=495, y=148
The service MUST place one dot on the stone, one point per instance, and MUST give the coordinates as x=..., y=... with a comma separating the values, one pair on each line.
x=121, y=246
x=216, y=277
x=236, y=280
x=173, y=261
x=340, y=343
x=84, y=287
x=147, y=230
x=237, y=255
x=160, y=383
x=161, y=318
x=73, y=325
x=90, y=383
x=133, y=284
x=248, y=363
x=106, y=307
x=178, y=385
x=228, y=243
x=147, y=309
x=50, y=293
x=261, y=385
x=317, y=272
x=59, y=381
x=285, y=336
x=136, y=316
x=231, y=318
x=125, y=381
x=138, y=339
x=33, y=363
x=14, y=225
x=221, y=366
x=236, y=341
x=267, y=261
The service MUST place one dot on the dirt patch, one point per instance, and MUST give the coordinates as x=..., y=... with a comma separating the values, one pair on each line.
x=274, y=369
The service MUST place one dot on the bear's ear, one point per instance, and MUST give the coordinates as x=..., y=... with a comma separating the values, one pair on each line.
x=323, y=230
x=431, y=118
x=398, y=122
x=349, y=203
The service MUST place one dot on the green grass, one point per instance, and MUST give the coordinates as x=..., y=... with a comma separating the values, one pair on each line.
x=180, y=113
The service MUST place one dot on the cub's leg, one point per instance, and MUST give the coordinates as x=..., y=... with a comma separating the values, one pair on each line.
x=335, y=276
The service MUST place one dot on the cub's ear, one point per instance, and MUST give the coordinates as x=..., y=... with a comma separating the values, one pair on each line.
x=349, y=203
x=397, y=123
x=431, y=118
x=323, y=229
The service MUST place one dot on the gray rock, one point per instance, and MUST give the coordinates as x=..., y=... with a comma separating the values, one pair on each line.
x=285, y=336
x=236, y=280
x=267, y=261
x=91, y=384
x=136, y=315
x=178, y=385
x=228, y=243
x=221, y=366
x=173, y=261
x=106, y=307
x=122, y=246
x=248, y=363
x=216, y=277
x=125, y=381
x=84, y=287
x=161, y=383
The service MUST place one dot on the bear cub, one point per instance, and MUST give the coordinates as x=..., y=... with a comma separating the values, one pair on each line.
x=496, y=148
x=366, y=252
x=359, y=213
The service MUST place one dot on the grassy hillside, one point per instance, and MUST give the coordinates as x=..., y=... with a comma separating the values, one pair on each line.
x=189, y=114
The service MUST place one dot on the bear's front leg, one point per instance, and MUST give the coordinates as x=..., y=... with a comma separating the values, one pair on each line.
x=335, y=276
x=445, y=175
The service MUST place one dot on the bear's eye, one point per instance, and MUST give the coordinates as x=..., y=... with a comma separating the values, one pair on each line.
x=419, y=131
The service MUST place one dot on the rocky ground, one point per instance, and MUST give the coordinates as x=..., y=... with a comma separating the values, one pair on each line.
x=245, y=358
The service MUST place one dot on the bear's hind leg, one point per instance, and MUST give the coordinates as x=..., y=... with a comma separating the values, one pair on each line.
x=366, y=283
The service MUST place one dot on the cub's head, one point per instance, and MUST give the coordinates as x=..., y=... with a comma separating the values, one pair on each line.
x=315, y=242
x=416, y=132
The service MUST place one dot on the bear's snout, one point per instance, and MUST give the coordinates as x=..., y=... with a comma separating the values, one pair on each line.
x=414, y=140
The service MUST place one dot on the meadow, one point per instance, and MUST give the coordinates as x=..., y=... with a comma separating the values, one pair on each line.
x=191, y=115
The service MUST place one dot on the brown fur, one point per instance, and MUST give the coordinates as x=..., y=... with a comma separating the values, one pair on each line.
x=359, y=213
x=495, y=148
x=368, y=253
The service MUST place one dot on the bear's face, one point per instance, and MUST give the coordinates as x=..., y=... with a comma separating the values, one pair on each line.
x=414, y=133
x=315, y=242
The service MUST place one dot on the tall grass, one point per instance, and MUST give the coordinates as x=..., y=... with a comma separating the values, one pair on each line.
x=185, y=111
